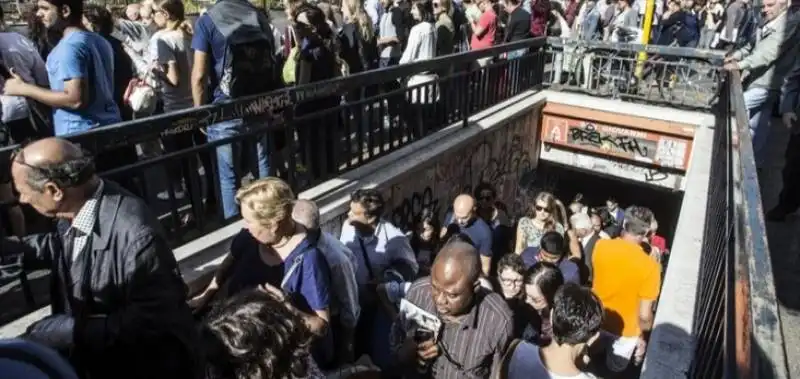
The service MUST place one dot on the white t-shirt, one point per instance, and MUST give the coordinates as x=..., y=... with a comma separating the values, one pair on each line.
x=174, y=46
x=526, y=363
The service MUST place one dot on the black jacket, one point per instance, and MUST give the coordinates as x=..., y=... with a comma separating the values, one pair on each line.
x=125, y=293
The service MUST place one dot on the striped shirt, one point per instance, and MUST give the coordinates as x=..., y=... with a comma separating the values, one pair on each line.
x=471, y=348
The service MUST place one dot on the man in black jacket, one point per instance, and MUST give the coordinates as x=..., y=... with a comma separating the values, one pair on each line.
x=118, y=301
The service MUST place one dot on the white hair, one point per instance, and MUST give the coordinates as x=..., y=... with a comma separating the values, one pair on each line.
x=580, y=221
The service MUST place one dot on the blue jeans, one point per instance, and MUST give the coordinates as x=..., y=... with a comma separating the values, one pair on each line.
x=759, y=103
x=228, y=157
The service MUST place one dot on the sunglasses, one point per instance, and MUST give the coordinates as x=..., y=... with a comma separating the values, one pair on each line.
x=540, y=208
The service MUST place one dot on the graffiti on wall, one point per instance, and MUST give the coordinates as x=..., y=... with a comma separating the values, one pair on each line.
x=619, y=142
x=504, y=158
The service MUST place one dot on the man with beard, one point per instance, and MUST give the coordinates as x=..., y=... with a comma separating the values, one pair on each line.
x=80, y=70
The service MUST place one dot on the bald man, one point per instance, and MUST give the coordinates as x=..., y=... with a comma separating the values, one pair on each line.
x=118, y=300
x=476, y=322
x=342, y=263
x=464, y=216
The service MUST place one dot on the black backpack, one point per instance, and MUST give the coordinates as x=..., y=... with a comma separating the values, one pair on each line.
x=250, y=65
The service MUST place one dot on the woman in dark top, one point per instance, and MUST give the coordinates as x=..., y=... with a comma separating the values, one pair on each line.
x=425, y=239
x=273, y=253
x=518, y=26
x=359, y=50
x=510, y=282
x=541, y=283
x=357, y=38
x=317, y=61
x=673, y=25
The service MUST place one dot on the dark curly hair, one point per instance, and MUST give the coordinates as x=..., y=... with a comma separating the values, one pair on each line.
x=577, y=314
x=253, y=336
x=511, y=262
x=371, y=199
x=100, y=18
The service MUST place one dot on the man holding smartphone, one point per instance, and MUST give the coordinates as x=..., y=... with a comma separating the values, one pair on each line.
x=476, y=324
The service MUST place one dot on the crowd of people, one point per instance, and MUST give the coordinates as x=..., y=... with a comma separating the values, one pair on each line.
x=84, y=66
x=559, y=292
x=556, y=292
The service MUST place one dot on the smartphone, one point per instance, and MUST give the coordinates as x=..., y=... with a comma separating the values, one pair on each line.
x=422, y=335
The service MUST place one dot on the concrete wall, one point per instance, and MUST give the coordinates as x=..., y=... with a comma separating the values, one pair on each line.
x=503, y=157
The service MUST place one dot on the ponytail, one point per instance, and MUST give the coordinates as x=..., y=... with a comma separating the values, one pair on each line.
x=186, y=27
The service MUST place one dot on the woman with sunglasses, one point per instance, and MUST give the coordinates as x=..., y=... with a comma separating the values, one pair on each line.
x=546, y=214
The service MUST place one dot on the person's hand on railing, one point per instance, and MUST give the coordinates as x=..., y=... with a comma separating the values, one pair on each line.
x=730, y=64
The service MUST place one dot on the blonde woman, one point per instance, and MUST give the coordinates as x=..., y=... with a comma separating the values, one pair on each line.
x=273, y=253
x=545, y=214
x=357, y=37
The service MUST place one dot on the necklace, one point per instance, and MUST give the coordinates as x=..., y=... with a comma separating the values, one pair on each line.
x=283, y=242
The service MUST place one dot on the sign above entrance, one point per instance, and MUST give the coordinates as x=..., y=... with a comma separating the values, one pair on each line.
x=621, y=142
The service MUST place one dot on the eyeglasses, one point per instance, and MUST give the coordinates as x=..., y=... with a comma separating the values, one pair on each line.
x=511, y=282
x=540, y=208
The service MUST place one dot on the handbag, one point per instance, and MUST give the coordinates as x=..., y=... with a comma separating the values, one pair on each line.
x=140, y=96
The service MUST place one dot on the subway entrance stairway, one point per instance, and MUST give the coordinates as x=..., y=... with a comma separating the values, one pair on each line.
x=596, y=119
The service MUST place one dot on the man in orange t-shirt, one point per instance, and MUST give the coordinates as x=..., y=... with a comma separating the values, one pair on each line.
x=627, y=281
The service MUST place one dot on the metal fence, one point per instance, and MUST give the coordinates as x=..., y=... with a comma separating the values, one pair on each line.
x=311, y=133
x=669, y=76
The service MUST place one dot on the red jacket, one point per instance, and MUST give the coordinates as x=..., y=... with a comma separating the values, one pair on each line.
x=540, y=14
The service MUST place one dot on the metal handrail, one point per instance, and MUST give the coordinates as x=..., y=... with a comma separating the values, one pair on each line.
x=257, y=104
x=683, y=52
x=759, y=346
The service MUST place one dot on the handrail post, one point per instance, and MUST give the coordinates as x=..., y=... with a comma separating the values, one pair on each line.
x=647, y=27
x=468, y=97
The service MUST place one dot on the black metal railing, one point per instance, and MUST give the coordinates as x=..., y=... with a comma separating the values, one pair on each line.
x=661, y=75
x=737, y=326
x=310, y=133
x=713, y=293
x=759, y=343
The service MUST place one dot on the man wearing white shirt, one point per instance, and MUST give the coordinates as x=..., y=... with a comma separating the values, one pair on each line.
x=342, y=264
x=582, y=224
